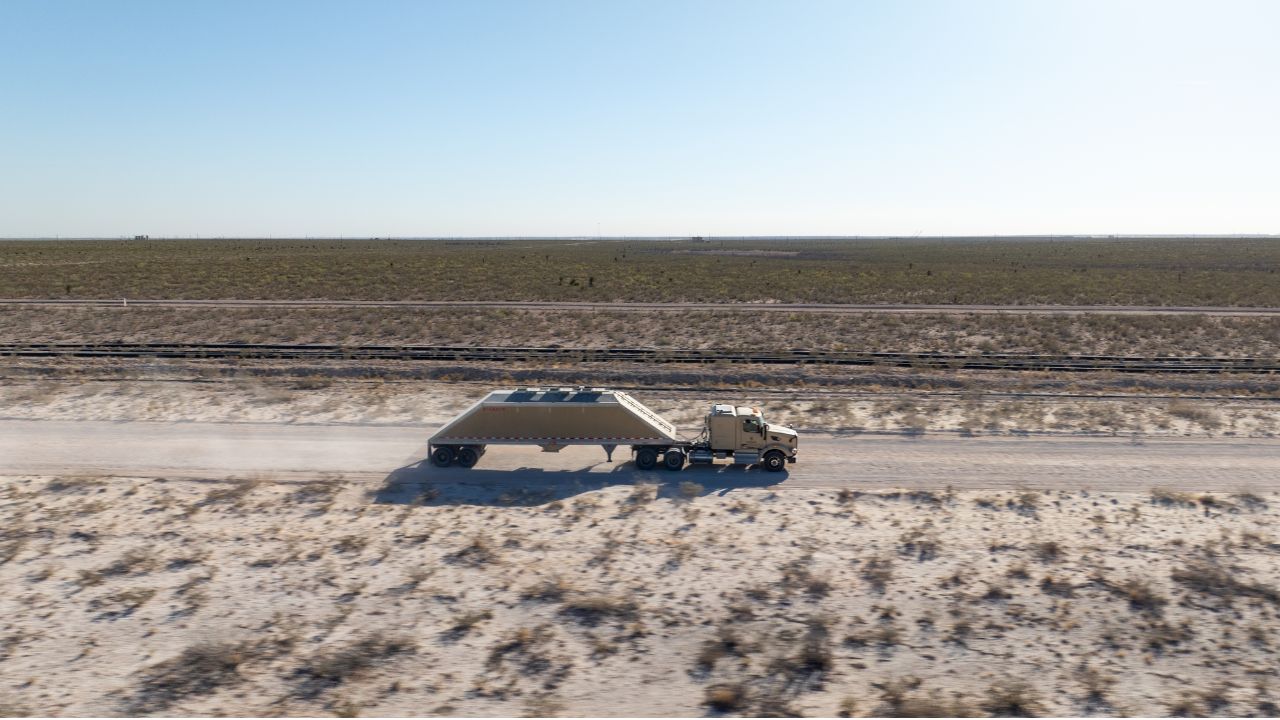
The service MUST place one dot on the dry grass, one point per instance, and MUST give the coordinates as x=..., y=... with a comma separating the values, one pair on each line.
x=1163, y=496
x=836, y=399
x=529, y=652
x=1013, y=698
x=1048, y=551
x=467, y=621
x=594, y=608
x=809, y=608
x=333, y=667
x=903, y=698
x=1210, y=578
x=134, y=562
x=1200, y=271
x=233, y=493
x=121, y=604
x=478, y=552
x=726, y=697
x=1203, y=416
x=1155, y=335
x=922, y=543
x=199, y=670
x=1141, y=595
x=552, y=589
x=726, y=643
x=878, y=572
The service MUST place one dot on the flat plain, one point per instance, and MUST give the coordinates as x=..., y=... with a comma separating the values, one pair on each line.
x=1085, y=334
x=1002, y=271
x=257, y=548
x=259, y=598
x=208, y=537
x=1216, y=272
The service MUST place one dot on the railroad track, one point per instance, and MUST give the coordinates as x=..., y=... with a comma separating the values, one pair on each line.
x=825, y=308
x=458, y=353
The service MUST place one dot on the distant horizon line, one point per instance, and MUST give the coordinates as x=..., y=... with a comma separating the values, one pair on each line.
x=917, y=236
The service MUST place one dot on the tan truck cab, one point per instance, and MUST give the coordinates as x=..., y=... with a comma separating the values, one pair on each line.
x=744, y=432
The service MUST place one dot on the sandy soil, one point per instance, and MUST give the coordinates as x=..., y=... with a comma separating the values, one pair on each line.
x=144, y=596
x=428, y=403
x=1148, y=335
x=241, y=587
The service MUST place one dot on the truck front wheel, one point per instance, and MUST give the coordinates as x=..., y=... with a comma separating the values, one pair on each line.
x=646, y=458
x=442, y=456
x=774, y=461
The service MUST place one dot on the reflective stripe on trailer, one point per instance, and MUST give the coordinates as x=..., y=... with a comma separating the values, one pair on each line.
x=555, y=439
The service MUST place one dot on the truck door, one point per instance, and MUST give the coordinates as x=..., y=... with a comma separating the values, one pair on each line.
x=752, y=433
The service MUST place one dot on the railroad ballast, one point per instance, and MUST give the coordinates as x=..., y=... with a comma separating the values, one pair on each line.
x=554, y=418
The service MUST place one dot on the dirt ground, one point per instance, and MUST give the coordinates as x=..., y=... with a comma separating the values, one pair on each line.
x=146, y=596
x=1088, y=334
x=324, y=594
x=326, y=400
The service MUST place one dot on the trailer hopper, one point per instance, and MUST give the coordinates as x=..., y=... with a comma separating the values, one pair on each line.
x=552, y=418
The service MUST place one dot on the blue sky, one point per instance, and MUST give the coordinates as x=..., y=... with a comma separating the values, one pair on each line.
x=638, y=118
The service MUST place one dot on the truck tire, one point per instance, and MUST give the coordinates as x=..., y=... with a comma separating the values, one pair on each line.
x=673, y=459
x=468, y=456
x=646, y=458
x=442, y=456
x=774, y=461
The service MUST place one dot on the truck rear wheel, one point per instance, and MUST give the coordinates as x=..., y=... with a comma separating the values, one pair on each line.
x=442, y=456
x=468, y=456
x=673, y=459
x=774, y=461
x=646, y=458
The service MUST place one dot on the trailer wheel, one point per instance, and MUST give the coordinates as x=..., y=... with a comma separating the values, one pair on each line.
x=646, y=458
x=673, y=459
x=468, y=456
x=442, y=456
x=774, y=461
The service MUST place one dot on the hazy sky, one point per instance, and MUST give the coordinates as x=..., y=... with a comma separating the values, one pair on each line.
x=183, y=117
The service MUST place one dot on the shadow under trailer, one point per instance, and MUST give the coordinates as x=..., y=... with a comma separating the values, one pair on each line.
x=555, y=418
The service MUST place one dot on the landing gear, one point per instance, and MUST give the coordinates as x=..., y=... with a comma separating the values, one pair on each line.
x=673, y=459
x=646, y=458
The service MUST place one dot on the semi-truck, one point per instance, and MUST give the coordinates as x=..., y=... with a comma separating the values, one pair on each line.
x=555, y=418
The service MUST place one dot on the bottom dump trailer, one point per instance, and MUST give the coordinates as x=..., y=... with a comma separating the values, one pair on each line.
x=554, y=418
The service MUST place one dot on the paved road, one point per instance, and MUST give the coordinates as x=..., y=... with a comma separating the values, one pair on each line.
x=677, y=307
x=291, y=453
